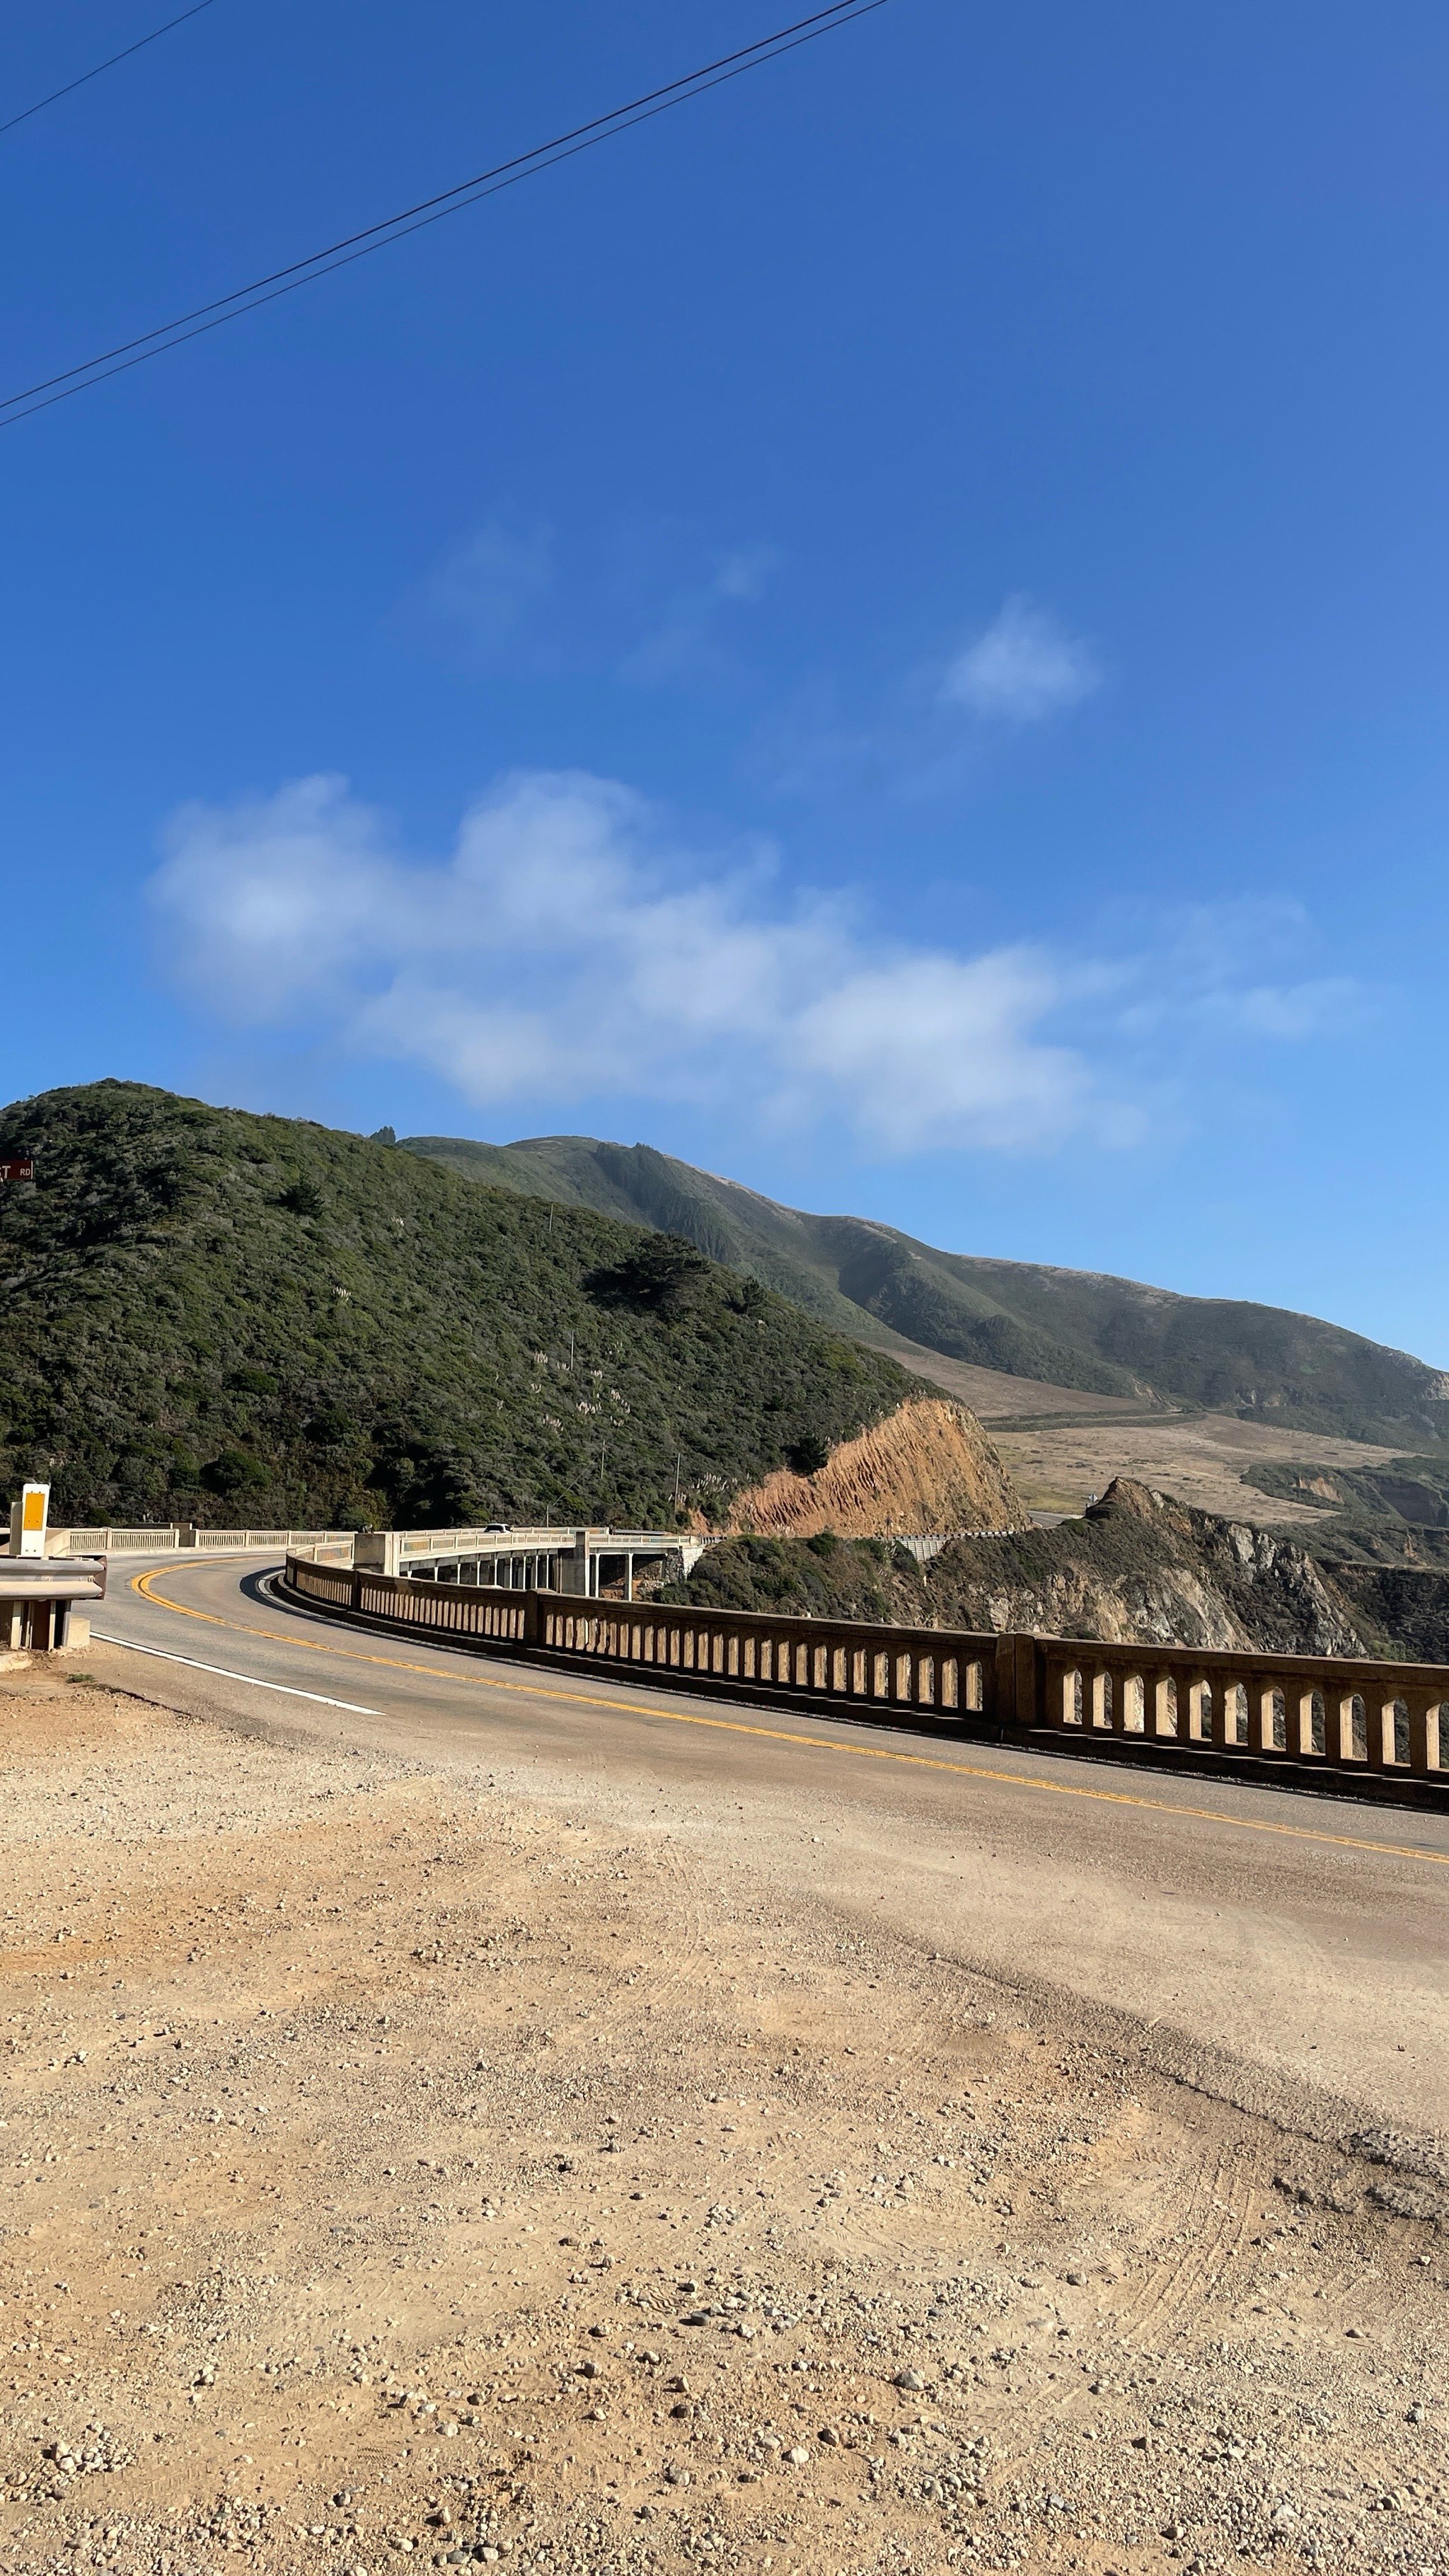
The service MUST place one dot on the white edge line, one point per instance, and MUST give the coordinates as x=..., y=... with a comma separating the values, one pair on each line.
x=103, y=1638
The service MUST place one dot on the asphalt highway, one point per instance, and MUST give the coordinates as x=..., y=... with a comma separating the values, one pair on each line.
x=1284, y=1951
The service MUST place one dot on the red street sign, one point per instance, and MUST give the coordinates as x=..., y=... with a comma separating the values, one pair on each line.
x=17, y=1171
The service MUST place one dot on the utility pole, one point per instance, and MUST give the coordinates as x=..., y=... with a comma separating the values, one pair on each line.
x=678, y=1463
x=571, y=1350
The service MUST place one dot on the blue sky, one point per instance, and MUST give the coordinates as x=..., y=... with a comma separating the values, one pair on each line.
x=885, y=633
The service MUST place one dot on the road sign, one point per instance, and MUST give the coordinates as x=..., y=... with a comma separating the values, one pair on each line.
x=28, y=1518
x=17, y=1171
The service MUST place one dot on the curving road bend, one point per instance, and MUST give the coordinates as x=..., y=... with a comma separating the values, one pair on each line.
x=1284, y=1952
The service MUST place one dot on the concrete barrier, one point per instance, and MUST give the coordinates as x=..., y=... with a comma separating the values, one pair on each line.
x=174, y=1538
x=1355, y=1715
x=1377, y=1729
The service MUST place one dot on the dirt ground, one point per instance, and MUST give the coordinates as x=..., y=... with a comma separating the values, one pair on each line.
x=1063, y=1445
x=396, y=2168
x=1200, y=1459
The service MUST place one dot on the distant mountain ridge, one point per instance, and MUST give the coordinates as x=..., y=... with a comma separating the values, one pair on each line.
x=1069, y=1328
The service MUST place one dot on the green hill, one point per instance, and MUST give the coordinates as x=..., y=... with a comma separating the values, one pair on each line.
x=1072, y=1328
x=214, y=1316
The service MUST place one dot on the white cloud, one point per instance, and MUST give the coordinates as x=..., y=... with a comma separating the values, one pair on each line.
x=566, y=949
x=744, y=572
x=1022, y=669
x=489, y=584
x=685, y=639
x=1213, y=977
x=1296, y=1011
x=569, y=950
x=935, y=1047
x=272, y=904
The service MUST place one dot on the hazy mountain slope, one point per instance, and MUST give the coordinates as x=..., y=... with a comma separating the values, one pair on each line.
x=1227, y=1353
x=212, y=1315
x=1413, y=1491
x=1074, y=1328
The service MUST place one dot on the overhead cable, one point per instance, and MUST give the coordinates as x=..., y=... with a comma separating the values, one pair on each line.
x=428, y=210
x=96, y=69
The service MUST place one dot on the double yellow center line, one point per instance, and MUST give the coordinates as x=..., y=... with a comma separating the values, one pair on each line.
x=143, y=1583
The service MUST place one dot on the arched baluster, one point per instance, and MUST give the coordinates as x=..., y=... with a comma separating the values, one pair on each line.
x=1383, y=1730
x=1338, y=1720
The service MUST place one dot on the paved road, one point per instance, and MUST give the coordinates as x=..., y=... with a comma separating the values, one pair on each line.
x=1286, y=1951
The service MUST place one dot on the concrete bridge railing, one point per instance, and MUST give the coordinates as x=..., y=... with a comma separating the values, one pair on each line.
x=557, y=1559
x=173, y=1537
x=1390, y=1717
x=1379, y=1727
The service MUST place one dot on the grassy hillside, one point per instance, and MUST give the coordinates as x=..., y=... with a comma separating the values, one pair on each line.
x=216, y=1316
x=1073, y=1328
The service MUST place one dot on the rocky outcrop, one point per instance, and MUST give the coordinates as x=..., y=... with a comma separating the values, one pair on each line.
x=928, y=1467
x=1402, y=1609
x=1145, y=1569
x=1141, y=1569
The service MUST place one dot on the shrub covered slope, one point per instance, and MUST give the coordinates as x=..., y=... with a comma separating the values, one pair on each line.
x=214, y=1316
x=1074, y=1328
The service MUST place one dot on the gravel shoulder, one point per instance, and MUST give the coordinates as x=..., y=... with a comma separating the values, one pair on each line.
x=399, y=2165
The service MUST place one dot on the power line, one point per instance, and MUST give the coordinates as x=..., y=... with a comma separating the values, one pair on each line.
x=97, y=68
x=429, y=210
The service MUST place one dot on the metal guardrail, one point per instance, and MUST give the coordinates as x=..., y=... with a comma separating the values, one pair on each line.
x=38, y=1595
x=1345, y=1719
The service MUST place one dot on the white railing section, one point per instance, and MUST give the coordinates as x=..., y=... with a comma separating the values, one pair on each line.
x=178, y=1536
